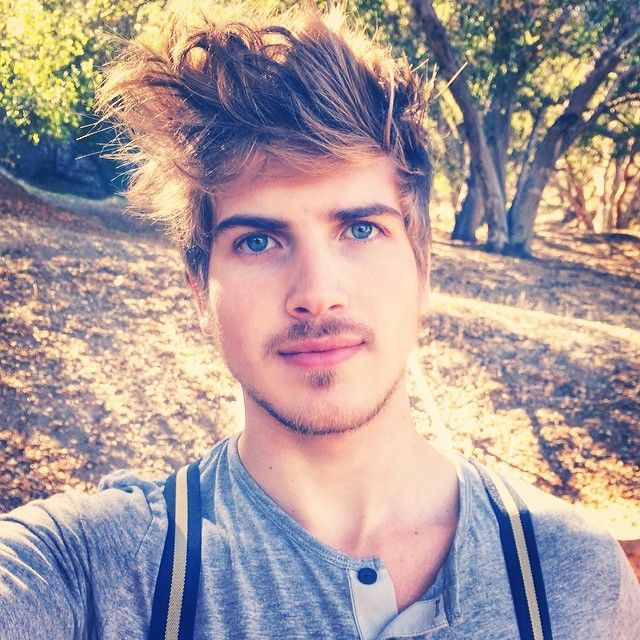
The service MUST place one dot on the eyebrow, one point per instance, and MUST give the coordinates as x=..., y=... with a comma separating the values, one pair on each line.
x=366, y=211
x=266, y=223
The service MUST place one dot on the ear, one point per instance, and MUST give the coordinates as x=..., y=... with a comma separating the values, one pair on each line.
x=202, y=304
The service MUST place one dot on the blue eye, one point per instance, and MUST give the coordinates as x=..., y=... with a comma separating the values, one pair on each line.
x=256, y=243
x=361, y=230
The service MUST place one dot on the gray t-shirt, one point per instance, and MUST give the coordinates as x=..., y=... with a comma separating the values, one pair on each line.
x=76, y=566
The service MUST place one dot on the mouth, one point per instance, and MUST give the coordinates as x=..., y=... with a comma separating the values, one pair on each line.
x=321, y=352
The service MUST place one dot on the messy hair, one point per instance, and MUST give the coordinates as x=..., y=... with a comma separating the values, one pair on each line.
x=227, y=89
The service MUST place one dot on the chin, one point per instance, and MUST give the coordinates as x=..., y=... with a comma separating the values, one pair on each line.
x=324, y=415
x=321, y=379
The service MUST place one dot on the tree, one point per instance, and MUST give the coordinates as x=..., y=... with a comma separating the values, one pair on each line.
x=50, y=59
x=598, y=181
x=510, y=48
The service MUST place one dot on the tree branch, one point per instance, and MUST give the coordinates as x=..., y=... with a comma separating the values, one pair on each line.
x=607, y=102
x=481, y=160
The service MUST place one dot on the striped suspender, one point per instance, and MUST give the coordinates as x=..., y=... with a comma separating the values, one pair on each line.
x=176, y=591
x=521, y=557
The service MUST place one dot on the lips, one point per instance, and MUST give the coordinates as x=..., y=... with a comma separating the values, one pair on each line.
x=321, y=352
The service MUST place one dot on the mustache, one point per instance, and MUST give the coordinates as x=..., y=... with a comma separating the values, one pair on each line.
x=309, y=329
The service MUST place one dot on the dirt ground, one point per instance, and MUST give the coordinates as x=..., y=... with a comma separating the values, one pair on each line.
x=533, y=364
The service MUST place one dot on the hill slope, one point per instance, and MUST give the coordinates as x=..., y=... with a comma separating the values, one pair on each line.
x=534, y=365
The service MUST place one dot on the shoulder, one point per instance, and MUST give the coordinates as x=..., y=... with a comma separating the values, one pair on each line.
x=111, y=522
x=126, y=511
x=561, y=529
x=586, y=573
x=586, y=576
x=76, y=553
x=92, y=558
x=566, y=534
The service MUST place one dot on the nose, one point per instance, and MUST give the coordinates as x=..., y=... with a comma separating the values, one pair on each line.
x=317, y=284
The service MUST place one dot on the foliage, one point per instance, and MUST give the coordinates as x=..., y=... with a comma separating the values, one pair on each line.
x=50, y=58
x=392, y=21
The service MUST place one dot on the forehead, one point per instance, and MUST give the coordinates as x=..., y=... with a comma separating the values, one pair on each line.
x=286, y=193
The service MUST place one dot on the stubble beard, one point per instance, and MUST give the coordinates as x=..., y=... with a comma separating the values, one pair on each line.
x=319, y=422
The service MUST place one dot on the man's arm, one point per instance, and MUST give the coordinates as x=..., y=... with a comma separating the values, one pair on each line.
x=45, y=582
x=70, y=563
x=626, y=625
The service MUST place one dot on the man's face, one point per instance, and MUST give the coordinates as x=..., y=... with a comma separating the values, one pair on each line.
x=314, y=294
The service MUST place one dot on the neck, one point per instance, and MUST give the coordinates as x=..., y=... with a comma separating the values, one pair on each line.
x=338, y=486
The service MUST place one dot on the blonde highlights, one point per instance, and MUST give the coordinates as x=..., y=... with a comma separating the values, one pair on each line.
x=221, y=94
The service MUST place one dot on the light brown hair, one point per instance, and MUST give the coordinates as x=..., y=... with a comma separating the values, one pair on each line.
x=218, y=95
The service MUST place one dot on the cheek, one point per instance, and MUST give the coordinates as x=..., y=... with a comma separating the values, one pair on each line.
x=236, y=314
x=398, y=295
x=396, y=275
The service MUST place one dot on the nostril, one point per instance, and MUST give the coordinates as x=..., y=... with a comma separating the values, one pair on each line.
x=308, y=301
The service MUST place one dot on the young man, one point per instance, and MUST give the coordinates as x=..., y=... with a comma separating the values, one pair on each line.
x=290, y=163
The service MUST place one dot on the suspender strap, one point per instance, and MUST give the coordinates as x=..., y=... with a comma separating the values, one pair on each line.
x=176, y=592
x=521, y=557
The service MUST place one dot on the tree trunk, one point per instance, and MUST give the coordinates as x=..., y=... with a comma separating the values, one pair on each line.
x=628, y=202
x=557, y=140
x=523, y=212
x=465, y=164
x=451, y=69
x=469, y=218
x=630, y=212
x=578, y=198
x=610, y=189
x=488, y=185
x=498, y=129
